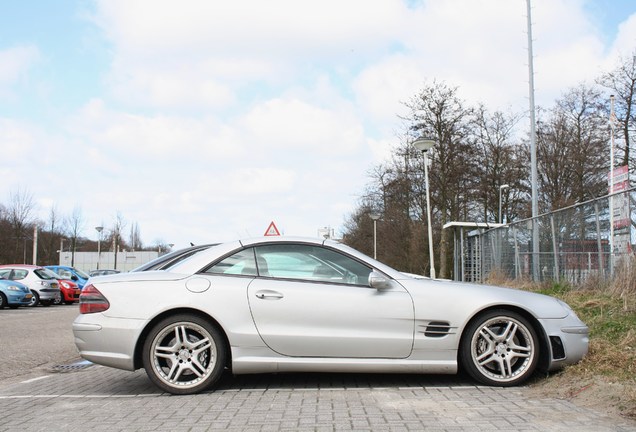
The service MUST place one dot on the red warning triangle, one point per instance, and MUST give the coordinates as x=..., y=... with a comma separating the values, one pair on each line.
x=272, y=230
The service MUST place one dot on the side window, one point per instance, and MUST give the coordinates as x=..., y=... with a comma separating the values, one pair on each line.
x=5, y=273
x=19, y=274
x=311, y=263
x=241, y=263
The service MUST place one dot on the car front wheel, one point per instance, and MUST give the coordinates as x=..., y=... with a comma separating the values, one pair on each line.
x=35, y=299
x=184, y=354
x=500, y=348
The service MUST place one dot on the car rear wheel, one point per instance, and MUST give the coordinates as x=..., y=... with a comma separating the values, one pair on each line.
x=3, y=300
x=500, y=348
x=35, y=299
x=184, y=354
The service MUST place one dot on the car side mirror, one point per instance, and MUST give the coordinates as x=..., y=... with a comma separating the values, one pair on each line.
x=379, y=281
x=74, y=278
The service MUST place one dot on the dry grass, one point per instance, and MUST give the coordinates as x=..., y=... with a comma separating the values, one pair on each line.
x=607, y=375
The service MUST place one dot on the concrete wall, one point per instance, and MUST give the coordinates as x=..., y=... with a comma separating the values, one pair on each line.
x=126, y=260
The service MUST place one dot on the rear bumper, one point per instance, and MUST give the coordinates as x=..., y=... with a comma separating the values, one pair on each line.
x=107, y=341
x=49, y=293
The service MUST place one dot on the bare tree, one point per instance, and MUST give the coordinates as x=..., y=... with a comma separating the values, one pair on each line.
x=438, y=112
x=76, y=224
x=622, y=83
x=572, y=150
x=499, y=163
x=135, y=237
x=51, y=236
x=118, y=228
x=20, y=217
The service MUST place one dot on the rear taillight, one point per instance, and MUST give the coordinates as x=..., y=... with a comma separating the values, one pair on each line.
x=92, y=301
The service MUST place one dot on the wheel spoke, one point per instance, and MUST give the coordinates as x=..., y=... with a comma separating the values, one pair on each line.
x=488, y=334
x=175, y=371
x=510, y=332
x=181, y=335
x=487, y=358
x=201, y=346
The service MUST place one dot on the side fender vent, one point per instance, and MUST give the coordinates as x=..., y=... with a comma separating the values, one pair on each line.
x=437, y=329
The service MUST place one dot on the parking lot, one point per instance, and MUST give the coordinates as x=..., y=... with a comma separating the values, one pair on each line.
x=62, y=393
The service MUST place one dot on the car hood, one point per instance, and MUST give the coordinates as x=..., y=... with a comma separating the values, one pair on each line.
x=476, y=297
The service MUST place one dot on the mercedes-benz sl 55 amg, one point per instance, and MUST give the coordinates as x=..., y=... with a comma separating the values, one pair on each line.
x=282, y=304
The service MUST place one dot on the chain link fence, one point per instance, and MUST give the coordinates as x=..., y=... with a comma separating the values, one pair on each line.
x=569, y=245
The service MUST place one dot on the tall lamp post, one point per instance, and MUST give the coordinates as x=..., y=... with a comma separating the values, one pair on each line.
x=99, y=243
x=424, y=145
x=375, y=217
x=501, y=188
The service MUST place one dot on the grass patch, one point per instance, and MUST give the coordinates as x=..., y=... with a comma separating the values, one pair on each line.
x=606, y=377
x=612, y=354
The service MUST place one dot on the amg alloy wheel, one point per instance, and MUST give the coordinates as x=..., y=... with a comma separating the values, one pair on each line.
x=184, y=354
x=500, y=348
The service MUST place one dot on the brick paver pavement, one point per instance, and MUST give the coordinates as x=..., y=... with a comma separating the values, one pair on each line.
x=97, y=398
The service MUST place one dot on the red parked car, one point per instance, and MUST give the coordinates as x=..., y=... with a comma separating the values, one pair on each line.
x=70, y=292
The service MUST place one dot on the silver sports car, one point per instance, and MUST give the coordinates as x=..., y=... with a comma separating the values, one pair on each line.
x=282, y=304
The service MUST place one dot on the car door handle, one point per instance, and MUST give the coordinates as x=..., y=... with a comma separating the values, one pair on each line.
x=269, y=295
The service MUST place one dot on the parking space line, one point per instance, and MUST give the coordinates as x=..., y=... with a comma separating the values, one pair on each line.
x=34, y=379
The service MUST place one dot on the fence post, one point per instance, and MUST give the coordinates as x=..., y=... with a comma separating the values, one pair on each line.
x=555, y=249
x=601, y=266
x=517, y=262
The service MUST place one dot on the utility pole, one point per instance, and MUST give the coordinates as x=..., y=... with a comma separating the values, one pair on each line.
x=533, y=155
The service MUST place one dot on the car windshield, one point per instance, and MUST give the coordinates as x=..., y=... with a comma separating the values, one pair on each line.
x=164, y=262
x=46, y=274
x=81, y=274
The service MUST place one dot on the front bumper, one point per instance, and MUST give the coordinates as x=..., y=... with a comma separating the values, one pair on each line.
x=19, y=298
x=568, y=341
x=70, y=294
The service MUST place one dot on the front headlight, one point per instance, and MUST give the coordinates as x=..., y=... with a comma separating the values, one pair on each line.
x=568, y=308
x=13, y=288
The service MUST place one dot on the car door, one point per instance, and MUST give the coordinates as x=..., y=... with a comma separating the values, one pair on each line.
x=313, y=301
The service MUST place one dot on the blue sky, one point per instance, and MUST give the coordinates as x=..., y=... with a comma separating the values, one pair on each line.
x=204, y=120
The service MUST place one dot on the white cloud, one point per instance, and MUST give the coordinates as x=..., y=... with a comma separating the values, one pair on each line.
x=15, y=62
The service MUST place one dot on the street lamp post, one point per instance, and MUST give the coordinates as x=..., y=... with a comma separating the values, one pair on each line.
x=424, y=145
x=375, y=217
x=99, y=243
x=501, y=188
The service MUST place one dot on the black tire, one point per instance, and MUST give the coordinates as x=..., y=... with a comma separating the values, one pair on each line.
x=500, y=348
x=69, y=302
x=3, y=300
x=184, y=354
x=35, y=300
